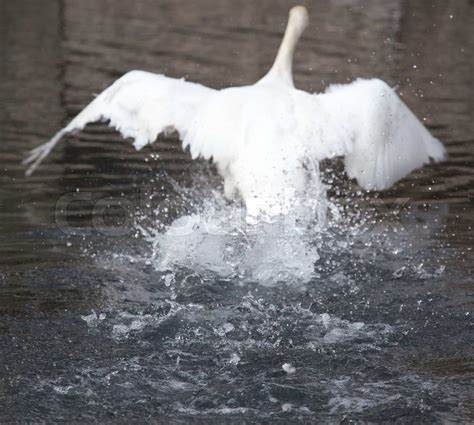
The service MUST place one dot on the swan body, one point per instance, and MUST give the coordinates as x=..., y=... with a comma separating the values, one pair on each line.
x=261, y=136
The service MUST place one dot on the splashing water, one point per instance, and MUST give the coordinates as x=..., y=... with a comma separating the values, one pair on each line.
x=221, y=238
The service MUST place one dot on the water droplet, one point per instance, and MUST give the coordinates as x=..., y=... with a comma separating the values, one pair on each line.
x=288, y=368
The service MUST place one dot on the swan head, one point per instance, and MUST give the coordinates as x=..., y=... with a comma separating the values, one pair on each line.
x=298, y=18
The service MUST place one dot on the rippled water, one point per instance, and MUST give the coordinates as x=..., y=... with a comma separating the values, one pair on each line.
x=107, y=316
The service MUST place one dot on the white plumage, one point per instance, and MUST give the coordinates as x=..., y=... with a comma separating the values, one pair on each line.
x=261, y=136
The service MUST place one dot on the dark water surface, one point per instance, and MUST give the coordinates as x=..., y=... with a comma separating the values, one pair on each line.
x=93, y=327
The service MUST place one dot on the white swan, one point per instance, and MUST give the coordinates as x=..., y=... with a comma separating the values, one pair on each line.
x=261, y=136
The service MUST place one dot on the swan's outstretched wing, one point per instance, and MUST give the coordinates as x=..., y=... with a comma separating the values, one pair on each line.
x=140, y=105
x=387, y=140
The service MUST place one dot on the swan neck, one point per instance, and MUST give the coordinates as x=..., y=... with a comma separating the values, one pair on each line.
x=283, y=66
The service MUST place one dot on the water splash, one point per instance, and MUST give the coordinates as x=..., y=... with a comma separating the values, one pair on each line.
x=220, y=238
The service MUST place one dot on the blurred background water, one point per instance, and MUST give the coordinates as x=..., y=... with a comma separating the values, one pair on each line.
x=92, y=330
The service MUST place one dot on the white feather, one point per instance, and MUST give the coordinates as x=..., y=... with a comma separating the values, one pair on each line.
x=140, y=105
x=387, y=140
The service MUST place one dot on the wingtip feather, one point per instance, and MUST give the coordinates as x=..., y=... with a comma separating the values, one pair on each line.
x=38, y=154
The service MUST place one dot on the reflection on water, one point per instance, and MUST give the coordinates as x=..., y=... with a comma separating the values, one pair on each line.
x=371, y=321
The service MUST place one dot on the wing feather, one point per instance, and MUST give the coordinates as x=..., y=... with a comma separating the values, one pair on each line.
x=388, y=140
x=140, y=105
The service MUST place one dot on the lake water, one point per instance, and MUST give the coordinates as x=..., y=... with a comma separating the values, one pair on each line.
x=363, y=317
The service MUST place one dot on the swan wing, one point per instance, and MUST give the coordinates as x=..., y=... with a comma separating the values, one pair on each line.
x=387, y=141
x=140, y=105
